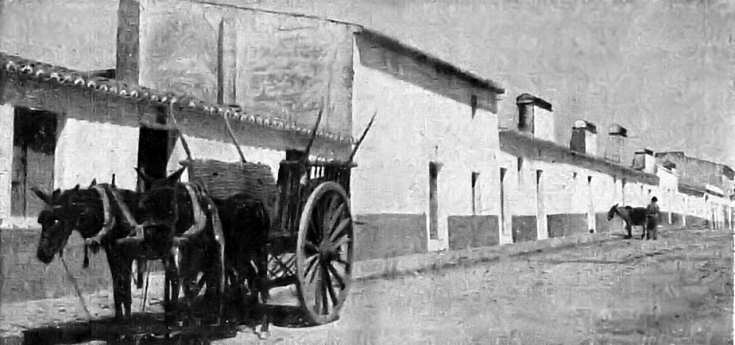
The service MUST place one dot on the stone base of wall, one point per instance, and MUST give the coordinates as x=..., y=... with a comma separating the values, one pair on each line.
x=567, y=224
x=472, y=231
x=524, y=228
x=676, y=219
x=693, y=221
x=389, y=235
x=24, y=277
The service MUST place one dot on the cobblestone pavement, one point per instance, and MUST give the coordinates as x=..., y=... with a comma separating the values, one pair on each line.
x=677, y=290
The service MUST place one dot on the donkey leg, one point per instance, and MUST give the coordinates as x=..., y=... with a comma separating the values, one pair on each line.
x=262, y=287
x=125, y=280
x=115, y=272
x=629, y=228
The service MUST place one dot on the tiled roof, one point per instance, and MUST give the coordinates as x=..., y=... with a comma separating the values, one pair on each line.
x=43, y=72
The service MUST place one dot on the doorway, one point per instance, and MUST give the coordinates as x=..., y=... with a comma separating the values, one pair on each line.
x=154, y=150
x=34, y=146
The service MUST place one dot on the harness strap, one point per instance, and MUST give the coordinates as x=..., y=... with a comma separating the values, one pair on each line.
x=127, y=215
x=200, y=218
x=108, y=223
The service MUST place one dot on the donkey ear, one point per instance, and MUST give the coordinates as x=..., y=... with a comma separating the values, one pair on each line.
x=76, y=187
x=94, y=182
x=41, y=195
x=113, y=180
x=143, y=175
x=175, y=177
x=55, y=195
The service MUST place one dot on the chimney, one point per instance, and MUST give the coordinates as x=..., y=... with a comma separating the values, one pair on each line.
x=617, y=137
x=584, y=138
x=535, y=116
x=645, y=161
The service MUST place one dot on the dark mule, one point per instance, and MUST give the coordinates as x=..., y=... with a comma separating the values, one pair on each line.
x=631, y=216
x=246, y=223
x=89, y=212
x=181, y=219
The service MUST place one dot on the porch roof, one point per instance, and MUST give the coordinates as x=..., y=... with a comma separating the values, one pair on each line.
x=65, y=77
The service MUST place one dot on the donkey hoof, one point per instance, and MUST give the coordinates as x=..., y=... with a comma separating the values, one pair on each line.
x=263, y=335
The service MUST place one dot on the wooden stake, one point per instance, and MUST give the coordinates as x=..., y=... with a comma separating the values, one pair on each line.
x=362, y=137
x=176, y=126
x=234, y=140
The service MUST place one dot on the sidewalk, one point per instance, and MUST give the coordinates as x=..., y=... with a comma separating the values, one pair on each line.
x=17, y=317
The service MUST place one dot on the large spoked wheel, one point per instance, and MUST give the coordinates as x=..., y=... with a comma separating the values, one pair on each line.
x=324, y=253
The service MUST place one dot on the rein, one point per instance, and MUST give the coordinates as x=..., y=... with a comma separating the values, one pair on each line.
x=76, y=288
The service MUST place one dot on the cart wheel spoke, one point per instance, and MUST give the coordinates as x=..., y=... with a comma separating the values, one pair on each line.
x=310, y=245
x=343, y=262
x=336, y=216
x=318, y=300
x=328, y=283
x=314, y=230
x=340, y=228
x=324, y=283
x=336, y=275
x=310, y=270
x=328, y=210
x=340, y=242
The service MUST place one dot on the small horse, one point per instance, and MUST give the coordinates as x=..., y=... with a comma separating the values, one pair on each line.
x=631, y=216
x=89, y=212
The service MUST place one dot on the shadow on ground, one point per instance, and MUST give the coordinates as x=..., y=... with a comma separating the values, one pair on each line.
x=150, y=328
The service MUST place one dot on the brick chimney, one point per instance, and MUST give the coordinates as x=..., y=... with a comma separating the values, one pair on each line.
x=616, y=143
x=645, y=161
x=584, y=138
x=535, y=116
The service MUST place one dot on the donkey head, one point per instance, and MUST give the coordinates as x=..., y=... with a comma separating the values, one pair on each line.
x=158, y=202
x=611, y=213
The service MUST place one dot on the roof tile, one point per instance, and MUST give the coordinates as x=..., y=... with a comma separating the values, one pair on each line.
x=66, y=77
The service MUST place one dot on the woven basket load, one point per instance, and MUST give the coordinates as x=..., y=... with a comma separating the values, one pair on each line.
x=225, y=179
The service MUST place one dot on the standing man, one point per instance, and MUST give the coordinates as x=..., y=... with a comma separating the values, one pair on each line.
x=652, y=218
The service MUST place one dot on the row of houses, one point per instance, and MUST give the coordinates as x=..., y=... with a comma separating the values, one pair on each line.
x=435, y=173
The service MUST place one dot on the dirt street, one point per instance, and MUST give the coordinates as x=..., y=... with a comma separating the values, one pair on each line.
x=677, y=290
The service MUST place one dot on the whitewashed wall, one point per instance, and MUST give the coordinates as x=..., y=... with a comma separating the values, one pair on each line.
x=414, y=127
x=94, y=150
x=6, y=158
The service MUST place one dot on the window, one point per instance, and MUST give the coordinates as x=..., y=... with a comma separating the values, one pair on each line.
x=502, y=200
x=475, y=176
x=540, y=211
x=433, y=201
x=520, y=171
x=34, y=145
x=473, y=105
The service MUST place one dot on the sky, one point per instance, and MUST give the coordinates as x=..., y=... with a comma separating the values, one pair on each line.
x=663, y=69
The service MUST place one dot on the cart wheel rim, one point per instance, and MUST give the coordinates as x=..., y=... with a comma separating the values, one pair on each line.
x=324, y=252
